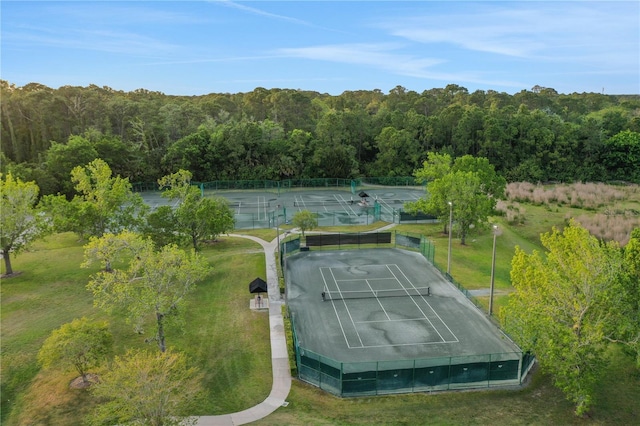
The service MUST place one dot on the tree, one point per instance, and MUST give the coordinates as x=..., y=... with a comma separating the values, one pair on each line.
x=20, y=221
x=626, y=322
x=149, y=283
x=469, y=183
x=195, y=217
x=492, y=184
x=148, y=388
x=435, y=167
x=103, y=203
x=622, y=156
x=61, y=159
x=305, y=220
x=397, y=153
x=471, y=205
x=80, y=344
x=563, y=307
x=161, y=227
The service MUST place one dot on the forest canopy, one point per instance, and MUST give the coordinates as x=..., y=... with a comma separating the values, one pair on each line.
x=535, y=135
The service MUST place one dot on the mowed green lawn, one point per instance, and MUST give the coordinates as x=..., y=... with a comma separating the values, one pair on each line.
x=231, y=345
x=228, y=342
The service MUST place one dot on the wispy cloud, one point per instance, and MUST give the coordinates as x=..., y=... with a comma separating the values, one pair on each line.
x=109, y=41
x=118, y=28
x=260, y=12
x=570, y=31
x=121, y=13
x=385, y=57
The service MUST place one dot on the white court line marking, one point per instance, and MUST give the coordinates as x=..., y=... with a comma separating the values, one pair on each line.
x=414, y=302
x=258, y=198
x=344, y=204
x=404, y=344
x=430, y=307
x=363, y=279
x=264, y=207
x=392, y=320
x=385, y=205
x=379, y=302
x=338, y=316
x=299, y=201
x=347, y=308
x=362, y=345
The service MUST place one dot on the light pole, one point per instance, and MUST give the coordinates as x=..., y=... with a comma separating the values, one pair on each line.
x=450, y=225
x=277, y=228
x=284, y=266
x=493, y=269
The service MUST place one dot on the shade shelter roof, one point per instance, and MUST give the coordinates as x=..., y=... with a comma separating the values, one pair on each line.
x=258, y=286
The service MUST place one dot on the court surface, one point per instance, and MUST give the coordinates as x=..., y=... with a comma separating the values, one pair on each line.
x=422, y=323
x=262, y=203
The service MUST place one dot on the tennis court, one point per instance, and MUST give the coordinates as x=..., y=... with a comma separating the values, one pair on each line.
x=378, y=305
x=337, y=206
x=359, y=315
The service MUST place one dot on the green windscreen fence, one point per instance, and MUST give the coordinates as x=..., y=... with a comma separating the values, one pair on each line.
x=413, y=375
x=346, y=241
x=401, y=376
x=327, y=212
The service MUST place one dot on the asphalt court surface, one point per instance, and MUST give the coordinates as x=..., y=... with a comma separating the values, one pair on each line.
x=377, y=320
x=262, y=203
x=441, y=324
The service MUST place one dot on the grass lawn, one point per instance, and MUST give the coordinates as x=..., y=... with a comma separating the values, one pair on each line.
x=231, y=345
x=222, y=336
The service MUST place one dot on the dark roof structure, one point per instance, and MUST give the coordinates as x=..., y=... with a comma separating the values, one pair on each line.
x=258, y=286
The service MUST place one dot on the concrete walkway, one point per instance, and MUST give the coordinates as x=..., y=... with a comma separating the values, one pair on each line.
x=279, y=357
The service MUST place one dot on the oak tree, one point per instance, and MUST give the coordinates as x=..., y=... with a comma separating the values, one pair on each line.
x=148, y=284
x=195, y=217
x=470, y=184
x=563, y=305
x=80, y=344
x=158, y=389
x=103, y=203
x=20, y=221
x=305, y=220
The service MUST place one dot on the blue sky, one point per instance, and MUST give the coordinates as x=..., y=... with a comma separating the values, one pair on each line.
x=200, y=47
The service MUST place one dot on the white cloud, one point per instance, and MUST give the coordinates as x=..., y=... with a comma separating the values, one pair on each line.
x=540, y=30
x=383, y=56
x=259, y=12
x=110, y=41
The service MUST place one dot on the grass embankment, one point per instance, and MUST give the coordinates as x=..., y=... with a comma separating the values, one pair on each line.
x=540, y=403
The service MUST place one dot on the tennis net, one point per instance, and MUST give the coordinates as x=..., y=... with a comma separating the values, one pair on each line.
x=374, y=294
x=321, y=203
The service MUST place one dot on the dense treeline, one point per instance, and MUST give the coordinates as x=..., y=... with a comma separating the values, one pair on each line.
x=536, y=135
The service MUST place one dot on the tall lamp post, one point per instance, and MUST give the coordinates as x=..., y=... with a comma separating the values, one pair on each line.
x=450, y=225
x=493, y=269
x=284, y=266
x=277, y=229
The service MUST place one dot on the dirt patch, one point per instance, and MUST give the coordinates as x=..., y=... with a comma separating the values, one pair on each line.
x=78, y=383
x=15, y=274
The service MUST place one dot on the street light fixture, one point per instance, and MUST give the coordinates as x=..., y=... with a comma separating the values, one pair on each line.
x=493, y=269
x=450, y=225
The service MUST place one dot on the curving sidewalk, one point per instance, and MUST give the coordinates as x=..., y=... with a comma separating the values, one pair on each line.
x=279, y=357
